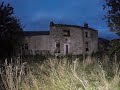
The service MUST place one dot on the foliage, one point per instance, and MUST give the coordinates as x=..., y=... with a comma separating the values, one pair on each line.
x=103, y=46
x=10, y=31
x=114, y=48
x=113, y=15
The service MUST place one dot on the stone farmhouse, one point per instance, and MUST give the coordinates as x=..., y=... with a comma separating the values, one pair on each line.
x=62, y=39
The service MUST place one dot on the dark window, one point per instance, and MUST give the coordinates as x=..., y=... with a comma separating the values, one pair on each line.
x=66, y=49
x=87, y=49
x=66, y=32
x=23, y=47
x=57, y=47
x=26, y=46
x=86, y=34
x=86, y=46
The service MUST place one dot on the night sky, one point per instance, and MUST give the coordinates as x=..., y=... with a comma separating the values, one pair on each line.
x=36, y=15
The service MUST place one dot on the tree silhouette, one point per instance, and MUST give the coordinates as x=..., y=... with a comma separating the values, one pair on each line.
x=113, y=15
x=11, y=33
x=113, y=20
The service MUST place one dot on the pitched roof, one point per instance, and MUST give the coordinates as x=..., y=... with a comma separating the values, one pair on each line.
x=34, y=33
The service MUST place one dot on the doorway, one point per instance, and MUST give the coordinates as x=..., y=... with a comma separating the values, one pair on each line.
x=66, y=49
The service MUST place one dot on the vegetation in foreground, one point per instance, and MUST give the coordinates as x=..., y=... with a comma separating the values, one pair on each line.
x=61, y=74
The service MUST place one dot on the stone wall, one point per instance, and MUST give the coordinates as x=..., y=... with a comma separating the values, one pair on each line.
x=38, y=44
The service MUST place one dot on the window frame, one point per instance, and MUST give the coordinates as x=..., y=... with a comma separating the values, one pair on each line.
x=57, y=47
x=66, y=33
x=87, y=46
x=86, y=34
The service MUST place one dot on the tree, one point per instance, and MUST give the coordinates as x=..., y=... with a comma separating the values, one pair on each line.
x=113, y=20
x=11, y=33
x=113, y=15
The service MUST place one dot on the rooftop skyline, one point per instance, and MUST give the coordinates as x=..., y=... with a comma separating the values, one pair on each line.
x=36, y=15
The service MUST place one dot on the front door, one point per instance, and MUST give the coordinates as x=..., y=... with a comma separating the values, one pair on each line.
x=66, y=49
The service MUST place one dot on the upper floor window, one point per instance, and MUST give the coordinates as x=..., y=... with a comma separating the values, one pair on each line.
x=86, y=34
x=66, y=33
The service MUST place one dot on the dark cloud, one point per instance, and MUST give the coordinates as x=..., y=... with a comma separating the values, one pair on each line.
x=36, y=15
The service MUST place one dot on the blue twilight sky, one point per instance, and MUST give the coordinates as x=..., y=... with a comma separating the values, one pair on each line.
x=36, y=14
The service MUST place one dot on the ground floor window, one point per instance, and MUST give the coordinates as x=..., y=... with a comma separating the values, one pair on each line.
x=57, y=47
x=25, y=46
x=86, y=46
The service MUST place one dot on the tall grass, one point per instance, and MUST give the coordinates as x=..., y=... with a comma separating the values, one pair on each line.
x=61, y=74
x=16, y=76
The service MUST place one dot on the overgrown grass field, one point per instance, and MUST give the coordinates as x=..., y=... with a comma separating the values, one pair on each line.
x=61, y=74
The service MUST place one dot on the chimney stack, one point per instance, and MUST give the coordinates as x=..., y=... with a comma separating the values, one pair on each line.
x=86, y=25
x=51, y=24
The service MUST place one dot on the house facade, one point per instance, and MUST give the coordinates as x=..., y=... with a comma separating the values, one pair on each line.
x=62, y=39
